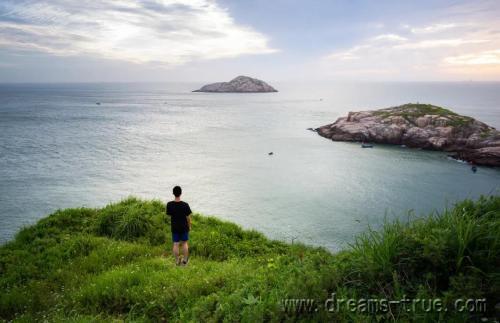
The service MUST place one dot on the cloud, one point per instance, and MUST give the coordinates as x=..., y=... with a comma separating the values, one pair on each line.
x=167, y=32
x=466, y=45
x=359, y=51
x=349, y=54
x=389, y=37
x=432, y=28
x=490, y=57
x=394, y=42
x=436, y=43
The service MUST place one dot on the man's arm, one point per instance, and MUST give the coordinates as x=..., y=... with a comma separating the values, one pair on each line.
x=189, y=221
x=189, y=217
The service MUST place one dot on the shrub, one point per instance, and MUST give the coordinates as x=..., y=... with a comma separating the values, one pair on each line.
x=132, y=219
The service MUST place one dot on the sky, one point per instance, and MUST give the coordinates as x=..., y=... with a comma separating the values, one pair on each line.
x=278, y=40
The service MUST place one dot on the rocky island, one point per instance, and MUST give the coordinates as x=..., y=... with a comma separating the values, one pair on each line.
x=240, y=84
x=420, y=126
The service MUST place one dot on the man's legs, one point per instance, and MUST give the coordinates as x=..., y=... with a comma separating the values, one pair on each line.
x=175, y=250
x=185, y=250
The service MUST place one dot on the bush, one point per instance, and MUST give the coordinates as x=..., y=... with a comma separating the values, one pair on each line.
x=454, y=253
x=132, y=219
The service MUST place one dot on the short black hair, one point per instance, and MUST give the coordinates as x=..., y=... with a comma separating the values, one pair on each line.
x=177, y=191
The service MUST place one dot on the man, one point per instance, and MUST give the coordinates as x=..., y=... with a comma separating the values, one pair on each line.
x=180, y=224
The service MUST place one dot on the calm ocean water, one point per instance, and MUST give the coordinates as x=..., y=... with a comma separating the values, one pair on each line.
x=59, y=149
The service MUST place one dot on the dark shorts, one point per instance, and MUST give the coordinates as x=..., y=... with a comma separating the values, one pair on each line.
x=180, y=236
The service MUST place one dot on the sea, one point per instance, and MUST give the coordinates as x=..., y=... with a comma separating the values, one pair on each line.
x=87, y=145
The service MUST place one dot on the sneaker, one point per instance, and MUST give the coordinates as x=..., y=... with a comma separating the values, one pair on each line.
x=185, y=261
x=178, y=261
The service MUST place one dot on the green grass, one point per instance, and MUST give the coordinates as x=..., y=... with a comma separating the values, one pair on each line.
x=412, y=111
x=487, y=133
x=114, y=263
x=416, y=110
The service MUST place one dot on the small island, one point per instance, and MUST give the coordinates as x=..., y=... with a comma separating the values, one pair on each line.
x=422, y=126
x=240, y=84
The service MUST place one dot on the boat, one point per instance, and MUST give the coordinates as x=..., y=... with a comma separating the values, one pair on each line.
x=366, y=146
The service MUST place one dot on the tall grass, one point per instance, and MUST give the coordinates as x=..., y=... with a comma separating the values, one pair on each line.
x=114, y=263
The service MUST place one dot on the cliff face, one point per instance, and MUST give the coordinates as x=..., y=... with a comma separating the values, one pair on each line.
x=243, y=84
x=420, y=126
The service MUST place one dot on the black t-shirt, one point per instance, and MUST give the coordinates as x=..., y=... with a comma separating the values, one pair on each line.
x=178, y=211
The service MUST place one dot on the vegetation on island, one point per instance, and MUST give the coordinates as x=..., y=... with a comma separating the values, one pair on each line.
x=418, y=110
x=411, y=111
x=115, y=263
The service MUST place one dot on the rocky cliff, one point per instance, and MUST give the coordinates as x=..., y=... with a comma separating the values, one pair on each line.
x=242, y=84
x=421, y=126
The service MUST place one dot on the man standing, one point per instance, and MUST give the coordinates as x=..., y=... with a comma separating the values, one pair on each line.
x=180, y=224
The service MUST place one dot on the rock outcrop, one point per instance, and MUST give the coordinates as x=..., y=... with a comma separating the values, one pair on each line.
x=420, y=126
x=240, y=84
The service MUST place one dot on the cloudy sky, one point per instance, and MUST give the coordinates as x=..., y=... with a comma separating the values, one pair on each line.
x=278, y=40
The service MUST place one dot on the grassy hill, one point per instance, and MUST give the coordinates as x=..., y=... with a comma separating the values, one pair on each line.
x=115, y=263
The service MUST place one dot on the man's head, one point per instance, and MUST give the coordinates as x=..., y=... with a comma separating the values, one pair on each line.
x=177, y=191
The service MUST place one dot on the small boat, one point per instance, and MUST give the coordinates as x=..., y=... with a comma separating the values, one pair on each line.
x=98, y=103
x=271, y=153
x=366, y=146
